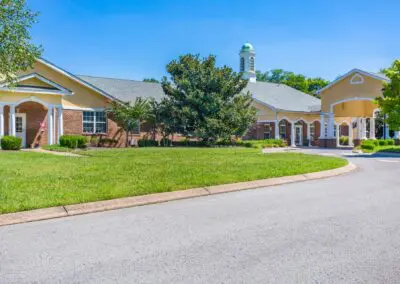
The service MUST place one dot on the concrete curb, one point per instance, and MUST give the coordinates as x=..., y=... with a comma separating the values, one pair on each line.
x=99, y=206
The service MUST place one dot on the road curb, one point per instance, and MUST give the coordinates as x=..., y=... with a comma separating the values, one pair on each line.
x=99, y=206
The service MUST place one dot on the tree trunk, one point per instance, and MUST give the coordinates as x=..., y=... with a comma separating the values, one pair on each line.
x=126, y=138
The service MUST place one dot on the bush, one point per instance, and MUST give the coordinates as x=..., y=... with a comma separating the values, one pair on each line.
x=11, y=143
x=73, y=141
x=368, y=146
x=383, y=142
x=390, y=142
x=147, y=143
x=344, y=140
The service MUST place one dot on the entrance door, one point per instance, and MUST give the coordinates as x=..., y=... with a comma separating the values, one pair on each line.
x=298, y=135
x=20, y=127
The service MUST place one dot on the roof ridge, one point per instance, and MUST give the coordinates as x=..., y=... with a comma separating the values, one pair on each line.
x=112, y=78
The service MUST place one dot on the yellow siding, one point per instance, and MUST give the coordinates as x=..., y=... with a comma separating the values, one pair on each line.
x=264, y=112
x=12, y=97
x=83, y=97
x=295, y=116
x=354, y=109
x=34, y=82
x=371, y=88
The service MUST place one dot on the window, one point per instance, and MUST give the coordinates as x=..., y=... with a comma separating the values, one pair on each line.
x=94, y=122
x=357, y=79
x=241, y=64
x=312, y=132
x=251, y=63
x=267, y=132
x=282, y=130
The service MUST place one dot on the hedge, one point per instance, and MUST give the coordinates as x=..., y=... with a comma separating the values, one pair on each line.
x=73, y=141
x=11, y=143
x=147, y=143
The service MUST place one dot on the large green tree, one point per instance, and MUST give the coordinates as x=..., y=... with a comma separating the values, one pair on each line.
x=17, y=52
x=389, y=103
x=297, y=81
x=210, y=99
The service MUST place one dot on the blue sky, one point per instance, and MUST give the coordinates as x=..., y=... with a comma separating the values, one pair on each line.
x=136, y=39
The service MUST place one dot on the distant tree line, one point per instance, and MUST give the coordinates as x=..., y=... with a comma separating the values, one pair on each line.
x=297, y=81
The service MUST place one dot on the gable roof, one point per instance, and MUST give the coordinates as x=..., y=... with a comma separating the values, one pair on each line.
x=283, y=97
x=276, y=96
x=75, y=78
x=378, y=76
x=125, y=90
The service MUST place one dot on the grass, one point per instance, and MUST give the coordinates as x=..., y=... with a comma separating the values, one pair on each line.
x=58, y=148
x=35, y=180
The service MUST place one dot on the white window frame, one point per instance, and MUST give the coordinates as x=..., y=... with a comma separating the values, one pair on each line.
x=312, y=132
x=282, y=134
x=94, y=122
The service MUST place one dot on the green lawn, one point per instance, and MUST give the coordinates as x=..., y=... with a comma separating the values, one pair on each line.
x=33, y=180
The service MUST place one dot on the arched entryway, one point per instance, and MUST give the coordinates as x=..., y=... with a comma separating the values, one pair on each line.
x=34, y=121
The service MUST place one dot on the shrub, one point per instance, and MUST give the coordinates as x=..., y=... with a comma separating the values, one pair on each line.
x=383, y=142
x=73, y=141
x=11, y=143
x=368, y=146
x=390, y=142
x=344, y=140
x=147, y=143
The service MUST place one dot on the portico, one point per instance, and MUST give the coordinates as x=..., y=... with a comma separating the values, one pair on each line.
x=35, y=121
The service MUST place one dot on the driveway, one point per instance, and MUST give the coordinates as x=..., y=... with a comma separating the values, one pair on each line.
x=340, y=230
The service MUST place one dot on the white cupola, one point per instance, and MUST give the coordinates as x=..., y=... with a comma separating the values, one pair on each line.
x=247, y=65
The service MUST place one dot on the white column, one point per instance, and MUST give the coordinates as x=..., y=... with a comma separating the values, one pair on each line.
x=372, y=128
x=276, y=129
x=396, y=135
x=331, y=127
x=50, y=127
x=1, y=121
x=322, y=127
x=351, y=133
x=365, y=128
x=337, y=135
x=12, y=121
x=60, y=123
x=309, y=134
x=292, y=135
x=387, y=134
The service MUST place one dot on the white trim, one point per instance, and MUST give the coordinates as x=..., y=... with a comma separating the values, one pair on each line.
x=42, y=79
x=83, y=108
x=33, y=91
x=260, y=121
x=357, y=76
x=263, y=103
x=23, y=133
x=348, y=100
x=74, y=78
x=279, y=120
x=365, y=73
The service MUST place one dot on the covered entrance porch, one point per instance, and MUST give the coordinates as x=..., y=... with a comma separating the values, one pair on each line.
x=34, y=120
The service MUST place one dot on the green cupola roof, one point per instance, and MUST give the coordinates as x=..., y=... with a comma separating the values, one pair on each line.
x=247, y=47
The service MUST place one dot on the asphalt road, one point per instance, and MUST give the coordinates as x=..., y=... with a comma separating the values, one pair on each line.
x=339, y=230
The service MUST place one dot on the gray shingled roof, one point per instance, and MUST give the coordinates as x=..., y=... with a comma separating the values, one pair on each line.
x=125, y=90
x=276, y=95
x=283, y=97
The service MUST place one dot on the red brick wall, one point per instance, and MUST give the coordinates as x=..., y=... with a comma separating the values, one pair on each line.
x=257, y=130
x=36, y=115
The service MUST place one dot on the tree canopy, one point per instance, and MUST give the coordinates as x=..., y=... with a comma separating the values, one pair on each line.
x=297, y=81
x=150, y=80
x=16, y=50
x=208, y=101
x=389, y=103
x=128, y=115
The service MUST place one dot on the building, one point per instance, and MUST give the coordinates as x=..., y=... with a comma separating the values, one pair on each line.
x=346, y=108
x=49, y=101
